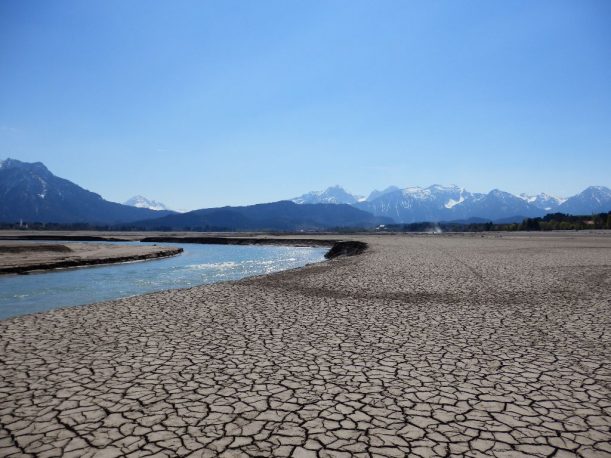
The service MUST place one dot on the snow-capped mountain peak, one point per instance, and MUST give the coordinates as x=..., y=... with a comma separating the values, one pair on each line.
x=442, y=188
x=432, y=191
x=598, y=192
x=543, y=201
x=332, y=195
x=498, y=193
x=461, y=198
x=413, y=190
x=417, y=203
x=593, y=199
x=143, y=202
x=375, y=193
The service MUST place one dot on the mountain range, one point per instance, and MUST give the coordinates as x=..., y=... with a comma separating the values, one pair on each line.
x=452, y=203
x=29, y=192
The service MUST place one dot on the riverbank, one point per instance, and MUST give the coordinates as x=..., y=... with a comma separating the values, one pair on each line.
x=490, y=344
x=22, y=257
x=337, y=246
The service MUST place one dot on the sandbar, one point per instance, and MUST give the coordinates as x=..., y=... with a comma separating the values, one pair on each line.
x=22, y=257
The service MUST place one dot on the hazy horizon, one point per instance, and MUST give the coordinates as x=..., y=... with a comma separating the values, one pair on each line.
x=231, y=103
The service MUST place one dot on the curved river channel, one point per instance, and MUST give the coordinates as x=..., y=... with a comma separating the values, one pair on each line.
x=197, y=265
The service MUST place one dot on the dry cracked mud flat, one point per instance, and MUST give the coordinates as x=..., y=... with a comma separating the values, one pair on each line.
x=422, y=346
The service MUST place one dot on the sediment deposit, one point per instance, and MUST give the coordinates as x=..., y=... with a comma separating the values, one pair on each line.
x=21, y=257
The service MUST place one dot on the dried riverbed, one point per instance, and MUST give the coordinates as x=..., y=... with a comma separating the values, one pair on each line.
x=420, y=346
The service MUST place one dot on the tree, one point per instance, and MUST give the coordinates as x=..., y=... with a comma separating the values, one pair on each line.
x=531, y=224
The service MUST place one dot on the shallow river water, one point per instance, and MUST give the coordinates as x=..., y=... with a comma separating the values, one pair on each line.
x=197, y=265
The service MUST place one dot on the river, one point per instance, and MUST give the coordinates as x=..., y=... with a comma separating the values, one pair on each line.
x=197, y=265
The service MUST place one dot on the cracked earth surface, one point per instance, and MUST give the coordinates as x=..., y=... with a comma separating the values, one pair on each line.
x=421, y=346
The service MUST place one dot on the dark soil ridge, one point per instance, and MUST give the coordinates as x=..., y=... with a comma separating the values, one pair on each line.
x=63, y=264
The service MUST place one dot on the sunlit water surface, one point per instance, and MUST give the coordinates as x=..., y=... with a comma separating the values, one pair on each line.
x=197, y=265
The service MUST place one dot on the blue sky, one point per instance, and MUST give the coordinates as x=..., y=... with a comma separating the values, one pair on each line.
x=208, y=103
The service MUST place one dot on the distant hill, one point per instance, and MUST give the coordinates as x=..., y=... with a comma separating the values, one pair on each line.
x=30, y=192
x=275, y=216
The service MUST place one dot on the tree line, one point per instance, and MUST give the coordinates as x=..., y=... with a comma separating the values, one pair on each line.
x=549, y=222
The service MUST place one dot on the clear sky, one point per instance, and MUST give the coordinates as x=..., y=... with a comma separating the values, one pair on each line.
x=208, y=103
